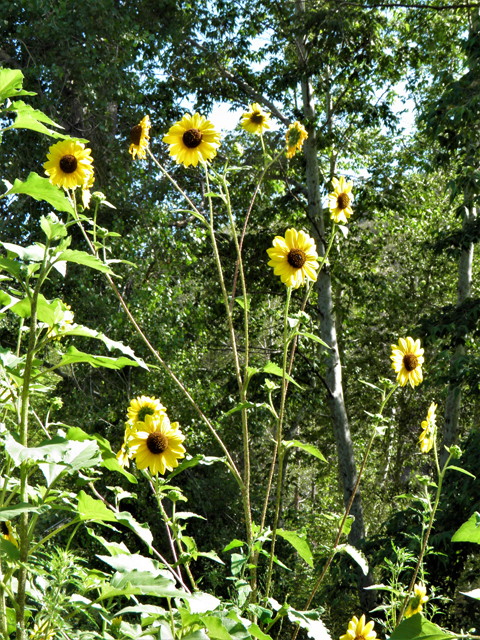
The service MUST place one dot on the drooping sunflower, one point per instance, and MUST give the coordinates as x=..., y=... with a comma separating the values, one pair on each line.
x=191, y=139
x=429, y=426
x=7, y=532
x=296, y=136
x=358, y=630
x=407, y=359
x=339, y=201
x=255, y=120
x=139, y=137
x=69, y=164
x=294, y=258
x=157, y=444
x=143, y=406
x=416, y=602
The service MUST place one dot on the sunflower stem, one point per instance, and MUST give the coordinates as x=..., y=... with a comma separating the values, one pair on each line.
x=441, y=476
x=279, y=441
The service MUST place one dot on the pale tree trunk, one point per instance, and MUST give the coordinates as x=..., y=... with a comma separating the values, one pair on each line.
x=454, y=397
x=335, y=399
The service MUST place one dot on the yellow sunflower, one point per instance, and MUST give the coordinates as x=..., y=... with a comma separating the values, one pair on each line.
x=294, y=258
x=157, y=444
x=69, y=164
x=7, y=532
x=358, y=630
x=339, y=201
x=191, y=139
x=296, y=136
x=416, y=602
x=139, y=139
x=428, y=434
x=407, y=359
x=255, y=120
x=143, y=406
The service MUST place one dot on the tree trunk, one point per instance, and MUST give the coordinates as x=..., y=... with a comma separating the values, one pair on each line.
x=454, y=397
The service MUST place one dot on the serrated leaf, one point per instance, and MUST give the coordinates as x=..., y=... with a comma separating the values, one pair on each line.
x=30, y=118
x=42, y=189
x=72, y=356
x=275, y=370
x=356, y=555
x=11, y=81
x=299, y=544
x=256, y=632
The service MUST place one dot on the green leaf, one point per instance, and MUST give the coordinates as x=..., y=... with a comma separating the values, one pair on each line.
x=192, y=461
x=234, y=544
x=256, y=632
x=472, y=594
x=298, y=543
x=215, y=628
x=146, y=584
x=10, y=549
x=418, y=627
x=143, y=608
x=72, y=355
x=275, y=370
x=309, y=620
x=9, y=513
x=200, y=602
x=309, y=448
x=10, y=266
x=133, y=562
x=30, y=118
x=91, y=509
x=247, y=405
x=369, y=384
x=467, y=473
x=312, y=336
x=42, y=189
x=469, y=531
x=11, y=81
x=81, y=257
x=356, y=555
x=53, y=227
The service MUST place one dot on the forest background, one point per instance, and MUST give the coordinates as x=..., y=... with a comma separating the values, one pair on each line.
x=405, y=267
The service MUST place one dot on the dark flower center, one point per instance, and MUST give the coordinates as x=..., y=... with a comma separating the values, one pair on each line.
x=136, y=134
x=68, y=163
x=4, y=528
x=157, y=442
x=296, y=258
x=192, y=138
x=410, y=362
x=256, y=118
x=343, y=201
x=145, y=411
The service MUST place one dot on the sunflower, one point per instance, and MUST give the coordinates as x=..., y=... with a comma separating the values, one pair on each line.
x=7, y=532
x=296, y=136
x=157, y=444
x=407, y=359
x=139, y=139
x=416, y=602
x=69, y=164
x=86, y=192
x=143, y=406
x=339, y=201
x=191, y=139
x=428, y=434
x=358, y=630
x=255, y=120
x=294, y=258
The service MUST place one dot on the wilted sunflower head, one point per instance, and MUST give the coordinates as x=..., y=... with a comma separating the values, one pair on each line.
x=192, y=139
x=407, y=360
x=340, y=200
x=157, y=444
x=139, y=137
x=256, y=119
x=358, y=630
x=294, y=258
x=418, y=599
x=296, y=136
x=69, y=164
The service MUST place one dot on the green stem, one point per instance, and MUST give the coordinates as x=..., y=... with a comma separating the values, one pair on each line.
x=427, y=535
x=279, y=441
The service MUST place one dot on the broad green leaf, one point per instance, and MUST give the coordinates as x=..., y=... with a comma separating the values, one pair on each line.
x=33, y=253
x=11, y=266
x=72, y=356
x=42, y=189
x=469, y=531
x=91, y=509
x=275, y=370
x=133, y=562
x=215, y=628
x=356, y=555
x=53, y=227
x=147, y=584
x=467, y=473
x=55, y=450
x=299, y=544
x=143, y=608
x=256, y=632
x=418, y=627
x=81, y=257
x=200, y=602
x=199, y=634
x=234, y=544
x=11, y=81
x=313, y=337
x=472, y=594
x=192, y=461
x=309, y=620
x=184, y=515
x=113, y=548
x=30, y=118
x=309, y=448
x=142, y=530
x=10, y=549
x=11, y=512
